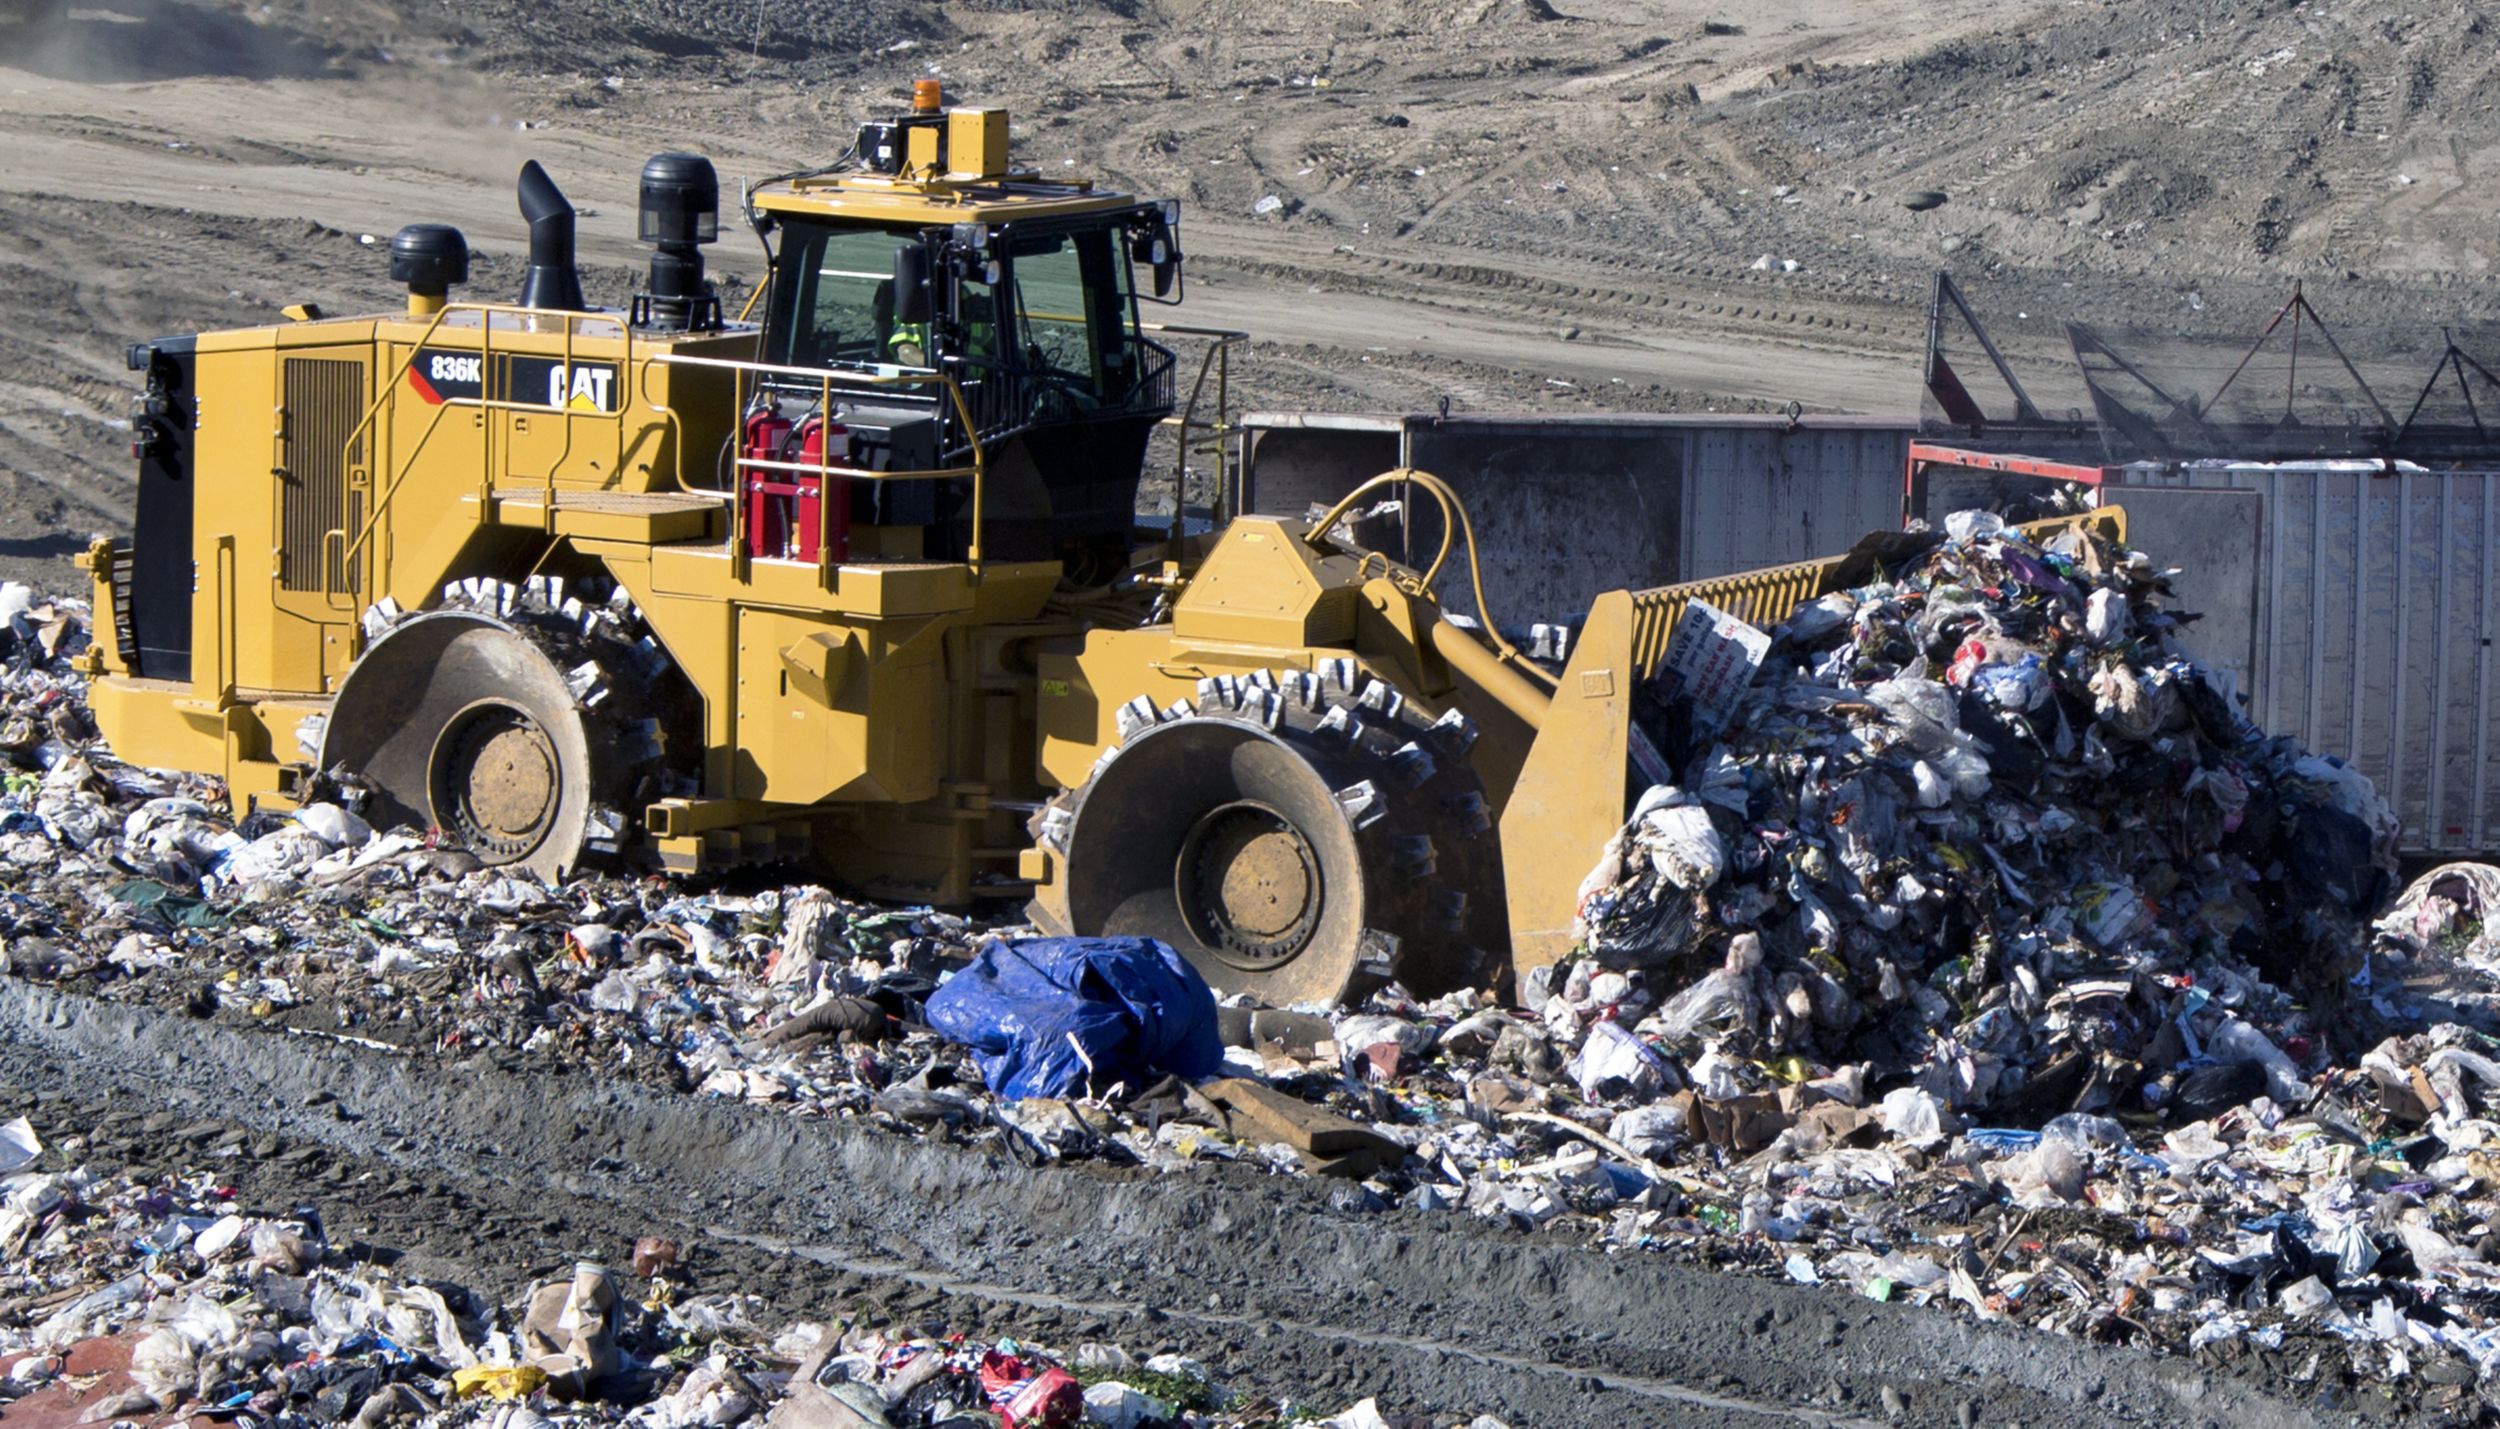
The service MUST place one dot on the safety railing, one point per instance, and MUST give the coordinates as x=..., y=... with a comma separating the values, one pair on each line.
x=1199, y=433
x=829, y=384
x=533, y=322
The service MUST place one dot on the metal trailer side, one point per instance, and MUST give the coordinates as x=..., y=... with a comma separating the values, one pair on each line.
x=1567, y=507
x=2356, y=605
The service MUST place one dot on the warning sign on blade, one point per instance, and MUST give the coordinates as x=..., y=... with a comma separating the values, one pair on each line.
x=1711, y=658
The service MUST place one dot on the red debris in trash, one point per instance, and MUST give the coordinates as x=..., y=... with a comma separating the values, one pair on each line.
x=1024, y=1399
x=653, y=1254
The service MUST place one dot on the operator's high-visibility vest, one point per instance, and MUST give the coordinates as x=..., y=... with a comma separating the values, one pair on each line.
x=979, y=339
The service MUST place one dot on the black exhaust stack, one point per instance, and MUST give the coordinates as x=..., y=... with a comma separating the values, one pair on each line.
x=680, y=212
x=552, y=281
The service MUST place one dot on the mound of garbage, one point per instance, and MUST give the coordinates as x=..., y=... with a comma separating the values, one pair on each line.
x=1985, y=824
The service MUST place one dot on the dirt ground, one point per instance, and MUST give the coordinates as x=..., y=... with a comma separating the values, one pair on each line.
x=1508, y=203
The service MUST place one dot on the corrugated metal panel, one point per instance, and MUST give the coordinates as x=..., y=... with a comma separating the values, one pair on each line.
x=2373, y=632
x=1760, y=496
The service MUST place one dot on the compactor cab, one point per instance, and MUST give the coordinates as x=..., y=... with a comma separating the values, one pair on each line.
x=927, y=253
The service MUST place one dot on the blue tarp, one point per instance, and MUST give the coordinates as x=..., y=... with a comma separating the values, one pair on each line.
x=1135, y=1007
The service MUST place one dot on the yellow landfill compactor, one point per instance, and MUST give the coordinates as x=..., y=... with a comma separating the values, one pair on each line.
x=857, y=586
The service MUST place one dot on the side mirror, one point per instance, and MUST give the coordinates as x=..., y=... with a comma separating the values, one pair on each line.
x=1157, y=245
x=911, y=284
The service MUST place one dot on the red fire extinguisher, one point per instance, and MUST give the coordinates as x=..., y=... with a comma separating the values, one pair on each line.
x=825, y=501
x=770, y=496
x=795, y=505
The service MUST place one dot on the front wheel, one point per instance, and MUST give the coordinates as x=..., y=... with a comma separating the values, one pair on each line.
x=1283, y=831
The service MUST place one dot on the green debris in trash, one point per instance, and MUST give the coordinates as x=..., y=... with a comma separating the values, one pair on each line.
x=1178, y=1390
x=181, y=910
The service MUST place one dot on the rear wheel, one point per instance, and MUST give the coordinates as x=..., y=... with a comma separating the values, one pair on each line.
x=531, y=732
x=1283, y=831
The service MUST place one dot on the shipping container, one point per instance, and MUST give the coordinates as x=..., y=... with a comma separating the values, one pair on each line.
x=1567, y=507
x=2354, y=606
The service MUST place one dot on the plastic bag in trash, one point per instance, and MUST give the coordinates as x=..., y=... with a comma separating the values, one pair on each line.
x=2236, y=1041
x=19, y=1146
x=167, y=1364
x=1921, y=709
x=1914, y=1115
x=1115, y=1405
x=2105, y=617
x=2133, y=704
x=1680, y=841
x=2022, y=686
x=1385, y=1045
x=1723, y=1000
x=1971, y=525
x=334, y=826
x=1816, y=618
x=1044, y=1017
x=1620, y=1064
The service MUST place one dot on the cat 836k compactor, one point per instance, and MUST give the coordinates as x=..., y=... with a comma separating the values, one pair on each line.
x=857, y=586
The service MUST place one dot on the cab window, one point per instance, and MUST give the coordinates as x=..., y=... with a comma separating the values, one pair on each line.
x=1072, y=310
x=835, y=298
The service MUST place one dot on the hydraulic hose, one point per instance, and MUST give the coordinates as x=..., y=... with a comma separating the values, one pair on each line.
x=1454, y=518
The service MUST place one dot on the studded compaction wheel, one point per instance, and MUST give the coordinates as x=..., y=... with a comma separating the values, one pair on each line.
x=527, y=730
x=1283, y=830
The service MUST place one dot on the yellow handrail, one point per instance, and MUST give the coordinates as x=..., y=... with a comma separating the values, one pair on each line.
x=1219, y=358
x=1454, y=517
x=487, y=312
x=826, y=380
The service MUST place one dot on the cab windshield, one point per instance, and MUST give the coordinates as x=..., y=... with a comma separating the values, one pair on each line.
x=1054, y=336
x=1072, y=316
x=834, y=302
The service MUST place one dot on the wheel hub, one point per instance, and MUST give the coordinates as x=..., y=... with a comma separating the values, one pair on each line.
x=495, y=780
x=1249, y=885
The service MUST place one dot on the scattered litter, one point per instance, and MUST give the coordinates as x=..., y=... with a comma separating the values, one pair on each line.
x=344, y=1340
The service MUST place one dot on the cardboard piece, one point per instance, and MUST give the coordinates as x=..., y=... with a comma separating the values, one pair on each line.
x=1330, y=1144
